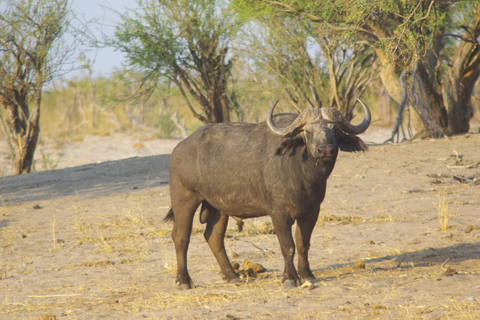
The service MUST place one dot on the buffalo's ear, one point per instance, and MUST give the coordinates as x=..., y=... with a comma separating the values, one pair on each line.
x=350, y=143
x=289, y=145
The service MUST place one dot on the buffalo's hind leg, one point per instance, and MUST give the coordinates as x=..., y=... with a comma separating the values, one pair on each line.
x=303, y=234
x=184, y=211
x=215, y=234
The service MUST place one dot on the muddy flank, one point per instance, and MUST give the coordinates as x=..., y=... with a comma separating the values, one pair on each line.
x=398, y=238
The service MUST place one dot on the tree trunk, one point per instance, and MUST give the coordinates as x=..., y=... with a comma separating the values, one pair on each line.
x=213, y=99
x=219, y=102
x=24, y=137
x=25, y=152
x=217, y=79
x=460, y=109
x=460, y=81
x=392, y=64
x=434, y=100
x=425, y=89
x=390, y=79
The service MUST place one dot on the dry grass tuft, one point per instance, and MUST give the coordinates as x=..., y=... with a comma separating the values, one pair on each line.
x=340, y=220
x=462, y=310
x=253, y=227
x=442, y=211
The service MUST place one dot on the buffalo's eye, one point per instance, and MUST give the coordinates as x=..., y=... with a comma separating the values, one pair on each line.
x=308, y=131
x=333, y=127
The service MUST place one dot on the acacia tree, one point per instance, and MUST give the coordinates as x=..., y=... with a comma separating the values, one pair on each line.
x=186, y=42
x=312, y=67
x=412, y=41
x=31, y=54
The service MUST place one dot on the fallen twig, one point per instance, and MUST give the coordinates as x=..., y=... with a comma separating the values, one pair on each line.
x=446, y=261
x=475, y=179
x=458, y=157
x=259, y=248
x=473, y=166
x=438, y=175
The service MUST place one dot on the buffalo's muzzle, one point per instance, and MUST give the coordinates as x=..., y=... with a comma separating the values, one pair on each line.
x=326, y=151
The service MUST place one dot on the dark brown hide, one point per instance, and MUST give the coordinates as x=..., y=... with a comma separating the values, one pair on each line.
x=245, y=170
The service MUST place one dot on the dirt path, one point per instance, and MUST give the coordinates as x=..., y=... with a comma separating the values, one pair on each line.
x=88, y=242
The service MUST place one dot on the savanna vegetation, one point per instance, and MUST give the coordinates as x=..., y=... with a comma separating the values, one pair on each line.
x=32, y=53
x=416, y=63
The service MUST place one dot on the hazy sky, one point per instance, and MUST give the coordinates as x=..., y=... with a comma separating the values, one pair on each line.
x=106, y=60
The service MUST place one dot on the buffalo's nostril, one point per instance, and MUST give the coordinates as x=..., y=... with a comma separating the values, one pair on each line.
x=325, y=150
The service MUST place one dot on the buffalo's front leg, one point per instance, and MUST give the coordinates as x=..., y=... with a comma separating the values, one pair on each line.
x=303, y=235
x=283, y=229
x=215, y=234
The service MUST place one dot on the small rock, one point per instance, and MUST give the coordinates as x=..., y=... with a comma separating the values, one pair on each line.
x=449, y=272
x=47, y=316
x=249, y=272
x=470, y=228
x=257, y=268
x=236, y=266
x=378, y=307
x=37, y=207
x=359, y=264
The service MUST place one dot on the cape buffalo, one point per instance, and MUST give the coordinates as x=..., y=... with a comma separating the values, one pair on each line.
x=278, y=168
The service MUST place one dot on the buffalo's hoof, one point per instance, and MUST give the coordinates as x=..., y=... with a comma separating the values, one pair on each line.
x=289, y=284
x=307, y=275
x=184, y=286
x=234, y=280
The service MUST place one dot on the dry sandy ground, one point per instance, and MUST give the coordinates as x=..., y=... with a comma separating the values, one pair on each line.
x=88, y=242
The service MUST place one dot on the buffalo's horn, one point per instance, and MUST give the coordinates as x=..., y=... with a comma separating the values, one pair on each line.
x=334, y=115
x=307, y=115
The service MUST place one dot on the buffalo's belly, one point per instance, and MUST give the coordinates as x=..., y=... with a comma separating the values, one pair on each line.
x=231, y=176
x=239, y=202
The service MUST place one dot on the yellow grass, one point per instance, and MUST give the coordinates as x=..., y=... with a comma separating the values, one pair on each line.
x=442, y=210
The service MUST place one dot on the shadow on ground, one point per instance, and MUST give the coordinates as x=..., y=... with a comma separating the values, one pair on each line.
x=92, y=180
x=426, y=257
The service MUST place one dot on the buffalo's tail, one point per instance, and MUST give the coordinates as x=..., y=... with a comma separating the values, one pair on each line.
x=239, y=224
x=169, y=216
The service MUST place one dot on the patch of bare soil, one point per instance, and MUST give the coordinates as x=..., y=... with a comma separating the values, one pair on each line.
x=398, y=238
